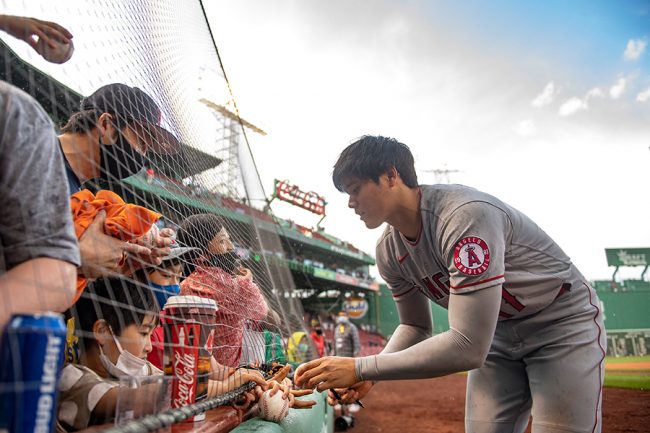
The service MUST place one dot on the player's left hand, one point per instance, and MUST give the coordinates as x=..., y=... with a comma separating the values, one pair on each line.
x=326, y=373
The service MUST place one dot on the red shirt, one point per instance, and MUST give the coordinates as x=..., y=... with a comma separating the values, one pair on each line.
x=319, y=342
x=157, y=349
x=238, y=300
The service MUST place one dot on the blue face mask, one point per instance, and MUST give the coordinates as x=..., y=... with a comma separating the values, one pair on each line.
x=303, y=348
x=164, y=292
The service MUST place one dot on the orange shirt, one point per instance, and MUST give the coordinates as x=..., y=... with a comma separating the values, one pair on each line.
x=123, y=220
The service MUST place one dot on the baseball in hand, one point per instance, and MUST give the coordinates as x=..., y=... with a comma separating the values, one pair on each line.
x=149, y=239
x=61, y=54
x=273, y=408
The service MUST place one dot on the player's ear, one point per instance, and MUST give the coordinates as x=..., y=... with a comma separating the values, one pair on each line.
x=392, y=175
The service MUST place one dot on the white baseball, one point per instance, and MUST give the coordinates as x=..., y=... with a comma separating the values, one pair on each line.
x=149, y=239
x=273, y=408
x=60, y=54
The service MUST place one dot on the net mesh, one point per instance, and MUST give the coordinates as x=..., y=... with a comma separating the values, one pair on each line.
x=167, y=51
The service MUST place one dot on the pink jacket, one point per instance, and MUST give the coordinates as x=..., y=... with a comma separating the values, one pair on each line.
x=238, y=300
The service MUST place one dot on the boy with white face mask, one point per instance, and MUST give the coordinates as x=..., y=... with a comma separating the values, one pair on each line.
x=114, y=319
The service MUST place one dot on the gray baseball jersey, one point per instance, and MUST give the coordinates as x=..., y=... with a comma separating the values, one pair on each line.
x=470, y=240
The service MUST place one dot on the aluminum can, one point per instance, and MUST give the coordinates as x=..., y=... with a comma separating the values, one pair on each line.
x=31, y=358
x=188, y=324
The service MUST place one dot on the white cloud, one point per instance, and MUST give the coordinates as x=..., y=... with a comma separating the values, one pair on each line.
x=617, y=89
x=546, y=97
x=572, y=106
x=596, y=92
x=318, y=37
x=634, y=49
x=525, y=128
x=643, y=96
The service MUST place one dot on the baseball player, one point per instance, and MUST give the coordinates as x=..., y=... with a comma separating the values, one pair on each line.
x=522, y=318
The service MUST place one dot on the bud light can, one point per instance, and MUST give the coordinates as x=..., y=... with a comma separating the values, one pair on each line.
x=31, y=357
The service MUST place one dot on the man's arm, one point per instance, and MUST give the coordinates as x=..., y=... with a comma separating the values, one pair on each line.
x=37, y=285
x=37, y=242
x=416, y=325
x=32, y=29
x=472, y=319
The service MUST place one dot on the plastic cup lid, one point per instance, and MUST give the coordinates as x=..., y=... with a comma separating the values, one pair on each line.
x=189, y=301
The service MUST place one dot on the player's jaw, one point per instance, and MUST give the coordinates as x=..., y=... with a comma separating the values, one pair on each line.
x=366, y=199
x=370, y=220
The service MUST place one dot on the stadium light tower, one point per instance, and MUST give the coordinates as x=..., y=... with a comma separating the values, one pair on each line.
x=441, y=174
x=232, y=133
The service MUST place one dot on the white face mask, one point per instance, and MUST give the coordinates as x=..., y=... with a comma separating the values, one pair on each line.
x=342, y=319
x=127, y=363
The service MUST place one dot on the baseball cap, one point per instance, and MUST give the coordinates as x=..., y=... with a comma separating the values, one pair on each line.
x=135, y=106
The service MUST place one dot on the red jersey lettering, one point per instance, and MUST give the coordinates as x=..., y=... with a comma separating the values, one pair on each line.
x=510, y=299
x=442, y=285
x=432, y=288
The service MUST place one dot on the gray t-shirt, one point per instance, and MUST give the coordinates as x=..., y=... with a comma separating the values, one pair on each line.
x=35, y=219
x=470, y=240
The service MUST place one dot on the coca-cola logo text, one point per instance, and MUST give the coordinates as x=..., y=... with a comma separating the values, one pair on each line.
x=185, y=371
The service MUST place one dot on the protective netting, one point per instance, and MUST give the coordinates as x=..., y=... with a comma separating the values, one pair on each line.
x=204, y=188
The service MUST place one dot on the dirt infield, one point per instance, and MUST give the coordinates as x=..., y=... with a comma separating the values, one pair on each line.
x=437, y=406
x=628, y=366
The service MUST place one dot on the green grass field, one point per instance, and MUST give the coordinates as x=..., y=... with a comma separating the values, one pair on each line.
x=630, y=379
x=626, y=359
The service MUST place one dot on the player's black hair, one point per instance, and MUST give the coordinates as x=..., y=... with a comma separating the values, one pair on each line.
x=198, y=230
x=370, y=156
x=121, y=302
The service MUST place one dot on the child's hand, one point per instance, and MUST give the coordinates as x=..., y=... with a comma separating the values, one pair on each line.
x=236, y=379
x=275, y=386
x=245, y=400
x=254, y=376
x=301, y=404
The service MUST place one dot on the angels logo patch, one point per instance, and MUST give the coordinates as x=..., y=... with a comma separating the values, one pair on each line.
x=472, y=256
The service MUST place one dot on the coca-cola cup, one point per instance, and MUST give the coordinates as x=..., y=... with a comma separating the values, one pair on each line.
x=188, y=322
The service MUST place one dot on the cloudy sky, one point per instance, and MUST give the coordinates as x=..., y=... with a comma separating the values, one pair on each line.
x=546, y=106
